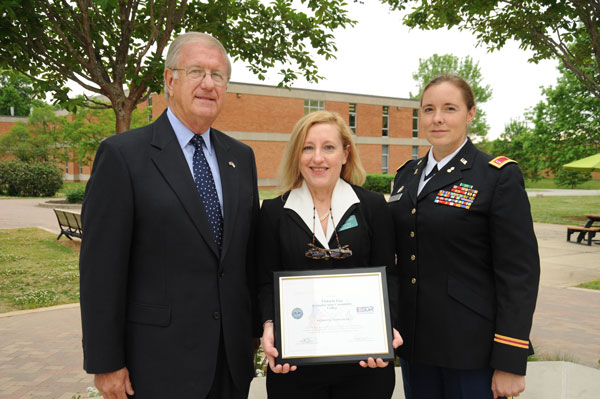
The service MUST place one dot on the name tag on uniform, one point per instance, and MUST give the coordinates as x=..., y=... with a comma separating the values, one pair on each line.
x=395, y=197
x=350, y=223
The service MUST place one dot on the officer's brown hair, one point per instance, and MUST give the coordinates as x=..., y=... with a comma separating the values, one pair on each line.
x=458, y=82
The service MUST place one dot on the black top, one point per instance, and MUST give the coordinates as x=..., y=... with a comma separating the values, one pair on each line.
x=468, y=262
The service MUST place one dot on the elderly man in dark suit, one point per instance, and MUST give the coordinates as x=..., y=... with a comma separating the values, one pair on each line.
x=166, y=259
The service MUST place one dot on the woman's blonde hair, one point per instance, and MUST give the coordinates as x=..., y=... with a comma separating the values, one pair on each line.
x=289, y=169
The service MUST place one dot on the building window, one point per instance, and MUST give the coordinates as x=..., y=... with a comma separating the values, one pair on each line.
x=352, y=117
x=313, y=105
x=80, y=169
x=415, y=129
x=415, y=153
x=66, y=167
x=384, y=158
x=386, y=121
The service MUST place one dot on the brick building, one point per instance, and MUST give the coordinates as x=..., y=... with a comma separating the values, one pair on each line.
x=387, y=132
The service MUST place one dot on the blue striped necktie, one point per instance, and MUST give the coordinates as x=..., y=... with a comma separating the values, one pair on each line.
x=206, y=187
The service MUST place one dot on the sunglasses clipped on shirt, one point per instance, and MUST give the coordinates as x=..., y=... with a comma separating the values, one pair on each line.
x=315, y=252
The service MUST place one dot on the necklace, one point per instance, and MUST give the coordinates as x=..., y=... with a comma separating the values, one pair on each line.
x=322, y=218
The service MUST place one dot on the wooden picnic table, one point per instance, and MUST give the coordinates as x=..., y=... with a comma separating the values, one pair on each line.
x=588, y=229
x=591, y=218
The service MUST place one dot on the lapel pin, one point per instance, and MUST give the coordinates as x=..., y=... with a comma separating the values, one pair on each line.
x=450, y=170
x=464, y=161
x=231, y=164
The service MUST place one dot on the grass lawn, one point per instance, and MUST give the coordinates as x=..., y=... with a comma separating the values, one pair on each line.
x=592, y=285
x=549, y=183
x=563, y=210
x=36, y=270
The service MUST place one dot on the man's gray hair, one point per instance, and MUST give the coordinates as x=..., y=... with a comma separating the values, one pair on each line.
x=187, y=38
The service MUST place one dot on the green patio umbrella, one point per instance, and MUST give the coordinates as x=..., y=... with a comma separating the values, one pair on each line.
x=589, y=164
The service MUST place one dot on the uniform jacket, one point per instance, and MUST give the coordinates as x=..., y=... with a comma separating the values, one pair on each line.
x=155, y=294
x=469, y=273
x=283, y=239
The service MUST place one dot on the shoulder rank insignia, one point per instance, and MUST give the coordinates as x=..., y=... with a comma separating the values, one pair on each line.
x=401, y=166
x=500, y=161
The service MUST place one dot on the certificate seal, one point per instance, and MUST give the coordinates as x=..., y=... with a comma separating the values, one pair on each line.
x=297, y=313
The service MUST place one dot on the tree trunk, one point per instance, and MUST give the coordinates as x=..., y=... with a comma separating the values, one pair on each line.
x=123, y=119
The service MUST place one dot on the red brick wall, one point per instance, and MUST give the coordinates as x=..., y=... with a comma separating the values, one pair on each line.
x=252, y=113
x=268, y=156
x=368, y=120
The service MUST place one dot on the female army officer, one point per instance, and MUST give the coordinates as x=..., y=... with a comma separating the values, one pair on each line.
x=468, y=259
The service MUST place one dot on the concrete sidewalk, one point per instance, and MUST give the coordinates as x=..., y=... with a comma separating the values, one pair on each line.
x=40, y=351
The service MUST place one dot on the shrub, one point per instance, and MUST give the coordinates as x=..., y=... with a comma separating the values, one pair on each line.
x=75, y=194
x=382, y=183
x=30, y=179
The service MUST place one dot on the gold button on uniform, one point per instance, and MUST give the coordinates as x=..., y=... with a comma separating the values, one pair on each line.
x=414, y=210
x=412, y=257
x=412, y=234
x=414, y=280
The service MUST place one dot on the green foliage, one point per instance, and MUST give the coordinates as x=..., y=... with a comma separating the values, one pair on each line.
x=592, y=285
x=115, y=48
x=75, y=194
x=567, y=127
x=50, y=138
x=518, y=142
x=37, y=140
x=33, y=179
x=83, y=131
x=466, y=68
x=379, y=182
x=16, y=91
x=563, y=29
x=562, y=128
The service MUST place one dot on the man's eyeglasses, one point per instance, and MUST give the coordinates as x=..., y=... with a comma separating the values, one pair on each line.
x=315, y=252
x=198, y=74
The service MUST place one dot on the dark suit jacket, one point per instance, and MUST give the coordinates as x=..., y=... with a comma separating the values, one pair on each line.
x=469, y=277
x=283, y=239
x=155, y=295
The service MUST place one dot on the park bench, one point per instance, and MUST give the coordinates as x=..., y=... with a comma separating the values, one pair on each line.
x=590, y=231
x=69, y=222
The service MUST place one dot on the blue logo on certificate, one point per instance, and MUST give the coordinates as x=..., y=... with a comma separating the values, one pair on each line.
x=297, y=313
x=365, y=309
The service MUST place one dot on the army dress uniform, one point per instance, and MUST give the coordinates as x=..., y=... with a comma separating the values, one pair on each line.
x=468, y=262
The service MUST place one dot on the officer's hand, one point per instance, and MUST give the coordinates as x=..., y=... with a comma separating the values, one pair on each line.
x=507, y=384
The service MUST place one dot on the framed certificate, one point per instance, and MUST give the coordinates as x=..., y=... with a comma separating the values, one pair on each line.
x=332, y=316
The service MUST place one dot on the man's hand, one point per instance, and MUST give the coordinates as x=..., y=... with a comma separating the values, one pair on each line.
x=507, y=384
x=372, y=363
x=268, y=344
x=113, y=385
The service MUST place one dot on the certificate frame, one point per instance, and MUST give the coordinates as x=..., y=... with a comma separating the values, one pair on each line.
x=285, y=328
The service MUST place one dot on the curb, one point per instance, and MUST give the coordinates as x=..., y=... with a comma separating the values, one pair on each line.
x=38, y=310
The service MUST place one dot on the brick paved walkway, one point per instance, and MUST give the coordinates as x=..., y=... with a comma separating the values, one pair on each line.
x=40, y=356
x=566, y=325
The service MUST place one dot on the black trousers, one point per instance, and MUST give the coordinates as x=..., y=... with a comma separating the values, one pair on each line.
x=345, y=381
x=223, y=386
x=424, y=382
